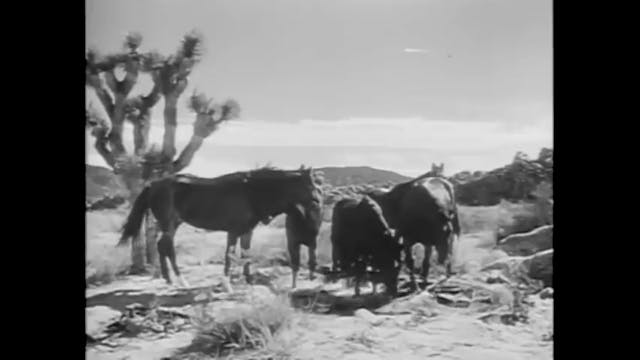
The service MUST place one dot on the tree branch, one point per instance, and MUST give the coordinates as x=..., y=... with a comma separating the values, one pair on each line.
x=170, y=126
x=138, y=111
x=209, y=117
x=186, y=156
x=117, y=122
x=101, y=146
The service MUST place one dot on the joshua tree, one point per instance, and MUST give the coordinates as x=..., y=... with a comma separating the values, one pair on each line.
x=170, y=78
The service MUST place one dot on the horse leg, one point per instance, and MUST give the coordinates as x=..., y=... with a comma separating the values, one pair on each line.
x=172, y=258
x=408, y=258
x=245, y=245
x=312, y=261
x=164, y=245
x=232, y=240
x=444, y=256
x=294, y=253
x=426, y=263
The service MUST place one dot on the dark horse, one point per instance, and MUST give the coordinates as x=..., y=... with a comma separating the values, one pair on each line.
x=303, y=230
x=300, y=230
x=234, y=203
x=422, y=210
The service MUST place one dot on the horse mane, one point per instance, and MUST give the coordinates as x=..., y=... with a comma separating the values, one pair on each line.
x=269, y=170
x=265, y=172
x=373, y=205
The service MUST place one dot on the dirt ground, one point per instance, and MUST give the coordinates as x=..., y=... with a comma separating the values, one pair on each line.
x=422, y=328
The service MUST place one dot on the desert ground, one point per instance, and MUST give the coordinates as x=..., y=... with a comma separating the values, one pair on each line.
x=141, y=317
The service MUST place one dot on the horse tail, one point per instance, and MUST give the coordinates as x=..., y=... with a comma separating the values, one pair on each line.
x=454, y=220
x=131, y=228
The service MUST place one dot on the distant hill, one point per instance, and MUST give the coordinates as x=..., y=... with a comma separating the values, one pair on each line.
x=101, y=182
x=355, y=175
x=515, y=181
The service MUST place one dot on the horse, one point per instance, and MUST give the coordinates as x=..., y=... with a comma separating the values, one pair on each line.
x=422, y=210
x=361, y=238
x=303, y=230
x=234, y=203
x=300, y=230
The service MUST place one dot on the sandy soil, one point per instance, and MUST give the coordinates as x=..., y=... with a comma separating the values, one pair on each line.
x=437, y=331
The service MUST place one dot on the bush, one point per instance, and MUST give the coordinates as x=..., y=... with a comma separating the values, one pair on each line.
x=251, y=327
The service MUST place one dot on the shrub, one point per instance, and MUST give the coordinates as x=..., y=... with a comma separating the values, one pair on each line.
x=251, y=327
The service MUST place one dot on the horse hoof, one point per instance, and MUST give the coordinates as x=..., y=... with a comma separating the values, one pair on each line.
x=183, y=282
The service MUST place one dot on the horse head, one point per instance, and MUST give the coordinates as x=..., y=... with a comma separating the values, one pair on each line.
x=437, y=170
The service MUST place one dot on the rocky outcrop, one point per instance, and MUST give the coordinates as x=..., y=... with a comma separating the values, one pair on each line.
x=98, y=318
x=538, y=266
x=516, y=181
x=541, y=267
x=525, y=244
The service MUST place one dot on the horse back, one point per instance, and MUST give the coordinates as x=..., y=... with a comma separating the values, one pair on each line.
x=442, y=191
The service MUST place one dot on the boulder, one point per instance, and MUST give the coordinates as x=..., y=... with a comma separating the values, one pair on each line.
x=523, y=268
x=369, y=317
x=98, y=318
x=529, y=243
x=541, y=267
x=547, y=293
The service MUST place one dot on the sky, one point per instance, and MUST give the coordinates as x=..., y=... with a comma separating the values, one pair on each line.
x=391, y=84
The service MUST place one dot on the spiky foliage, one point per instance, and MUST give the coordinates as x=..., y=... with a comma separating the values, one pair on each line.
x=191, y=47
x=132, y=41
x=153, y=60
x=199, y=102
x=170, y=78
x=230, y=109
x=210, y=115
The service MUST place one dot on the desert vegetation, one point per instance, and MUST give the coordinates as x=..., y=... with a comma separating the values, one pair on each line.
x=112, y=77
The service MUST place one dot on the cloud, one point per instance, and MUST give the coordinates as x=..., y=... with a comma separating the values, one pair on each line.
x=414, y=50
x=406, y=145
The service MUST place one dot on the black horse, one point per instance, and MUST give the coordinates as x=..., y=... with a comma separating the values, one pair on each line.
x=234, y=203
x=303, y=230
x=422, y=210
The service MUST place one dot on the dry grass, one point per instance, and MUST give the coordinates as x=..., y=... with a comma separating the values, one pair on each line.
x=103, y=260
x=256, y=326
x=269, y=247
x=506, y=218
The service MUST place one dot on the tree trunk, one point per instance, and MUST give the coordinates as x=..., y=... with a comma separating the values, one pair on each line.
x=151, y=236
x=133, y=182
x=138, y=252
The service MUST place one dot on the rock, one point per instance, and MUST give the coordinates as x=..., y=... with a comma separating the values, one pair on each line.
x=501, y=295
x=524, y=268
x=529, y=243
x=505, y=318
x=369, y=317
x=98, y=318
x=457, y=300
x=496, y=277
x=541, y=267
x=226, y=285
x=511, y=266
x=547, y=293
